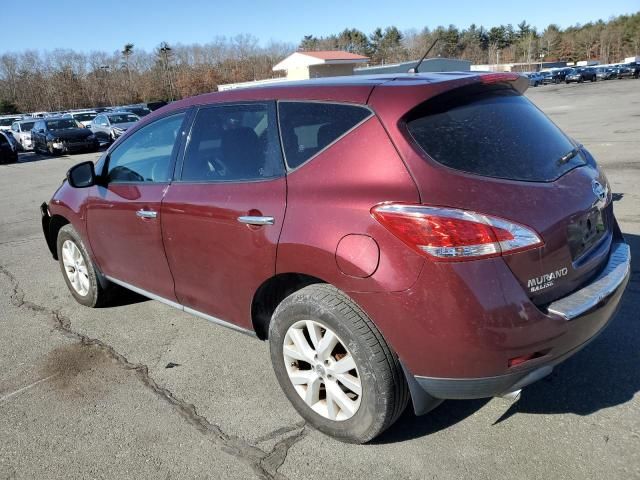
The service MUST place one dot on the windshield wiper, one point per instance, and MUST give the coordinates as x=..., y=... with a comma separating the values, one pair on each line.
x=569, y=155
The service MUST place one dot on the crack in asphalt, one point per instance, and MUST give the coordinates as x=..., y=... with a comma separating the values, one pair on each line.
x=264, y=464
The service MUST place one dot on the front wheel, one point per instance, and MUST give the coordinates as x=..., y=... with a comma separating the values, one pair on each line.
x=78, y=271
x=334, y=365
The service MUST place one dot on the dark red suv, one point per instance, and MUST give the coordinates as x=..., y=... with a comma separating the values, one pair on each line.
x=415, y=236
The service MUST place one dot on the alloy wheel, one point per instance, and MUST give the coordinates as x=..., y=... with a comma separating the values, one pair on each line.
x=75, y=267
x=322, y=370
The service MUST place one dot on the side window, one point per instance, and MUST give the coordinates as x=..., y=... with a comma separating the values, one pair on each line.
x=146, y=155
x=3, y=139
x=232, y=143
x=15, y=128
x=309, y=127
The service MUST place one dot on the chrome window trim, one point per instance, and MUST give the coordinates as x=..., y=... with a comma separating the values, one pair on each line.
x=284, y=153
x=181, y=307
x=614, y=274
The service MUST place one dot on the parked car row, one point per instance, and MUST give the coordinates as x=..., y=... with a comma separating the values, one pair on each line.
x=59, y=132
x=583, y=74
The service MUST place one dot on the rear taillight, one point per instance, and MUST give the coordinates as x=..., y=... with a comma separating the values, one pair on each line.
x=452, y=234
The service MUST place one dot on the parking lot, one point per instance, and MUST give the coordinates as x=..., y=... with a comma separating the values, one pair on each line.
x=140, y=390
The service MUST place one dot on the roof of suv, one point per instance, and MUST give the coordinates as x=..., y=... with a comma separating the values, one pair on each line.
x=352, y=89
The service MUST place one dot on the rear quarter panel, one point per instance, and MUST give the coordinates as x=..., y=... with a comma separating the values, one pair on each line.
x=331, y=196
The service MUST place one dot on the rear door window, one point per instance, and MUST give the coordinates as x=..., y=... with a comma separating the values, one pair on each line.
x=309, y=127
x=494, y=132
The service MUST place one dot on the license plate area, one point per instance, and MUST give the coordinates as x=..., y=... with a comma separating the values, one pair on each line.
x=586, y=230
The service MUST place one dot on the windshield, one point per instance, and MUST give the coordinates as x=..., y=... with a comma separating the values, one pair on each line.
x=6, y=122
x=84, y=117
x=495, y=132
x=123, y=118
x=62, y=124
x=26, y=126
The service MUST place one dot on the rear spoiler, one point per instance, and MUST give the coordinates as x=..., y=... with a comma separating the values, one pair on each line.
x=519, y=82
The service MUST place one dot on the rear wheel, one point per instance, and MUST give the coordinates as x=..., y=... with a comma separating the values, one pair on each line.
x=78, y=271
x=334, y=365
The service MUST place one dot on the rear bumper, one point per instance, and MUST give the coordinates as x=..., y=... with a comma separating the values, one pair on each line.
x=461, y=342
x=593, y=306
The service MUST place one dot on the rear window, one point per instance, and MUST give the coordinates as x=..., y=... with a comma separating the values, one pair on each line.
x=493, y=132
x=309, y=127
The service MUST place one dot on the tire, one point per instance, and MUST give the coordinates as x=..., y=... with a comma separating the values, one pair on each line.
x=96, y=294
x=383, y=389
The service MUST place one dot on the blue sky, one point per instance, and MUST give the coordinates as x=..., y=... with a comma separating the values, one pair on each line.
x=87, y=25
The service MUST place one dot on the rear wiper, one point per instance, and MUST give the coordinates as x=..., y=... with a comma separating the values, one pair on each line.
x=569, y=155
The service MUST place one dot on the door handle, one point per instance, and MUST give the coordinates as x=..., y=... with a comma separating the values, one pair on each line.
x=146, y=214
x=251, y=220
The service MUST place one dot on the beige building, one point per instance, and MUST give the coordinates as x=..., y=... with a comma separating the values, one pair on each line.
x=305, y=65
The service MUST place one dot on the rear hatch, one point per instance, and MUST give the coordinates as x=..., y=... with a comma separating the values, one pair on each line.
x=484, y=147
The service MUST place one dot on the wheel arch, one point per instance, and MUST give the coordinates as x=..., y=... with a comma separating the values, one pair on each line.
x=51, y=226
x=271, y=293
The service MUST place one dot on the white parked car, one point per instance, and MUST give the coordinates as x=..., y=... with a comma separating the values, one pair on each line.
x=84, y=117
x=7, y=120
x=21, y=131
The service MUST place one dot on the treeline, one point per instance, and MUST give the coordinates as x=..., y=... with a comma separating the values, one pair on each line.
x=64, y=79
x=608, y=41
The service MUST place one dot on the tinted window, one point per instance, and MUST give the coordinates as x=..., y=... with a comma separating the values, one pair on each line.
x=231, y=143
x=27, y=126
x=308, y=127
x=146, y=155
x=494, y=132
x=3, y=139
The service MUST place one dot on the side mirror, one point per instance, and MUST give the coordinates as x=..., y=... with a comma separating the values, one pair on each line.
x=82, y=175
